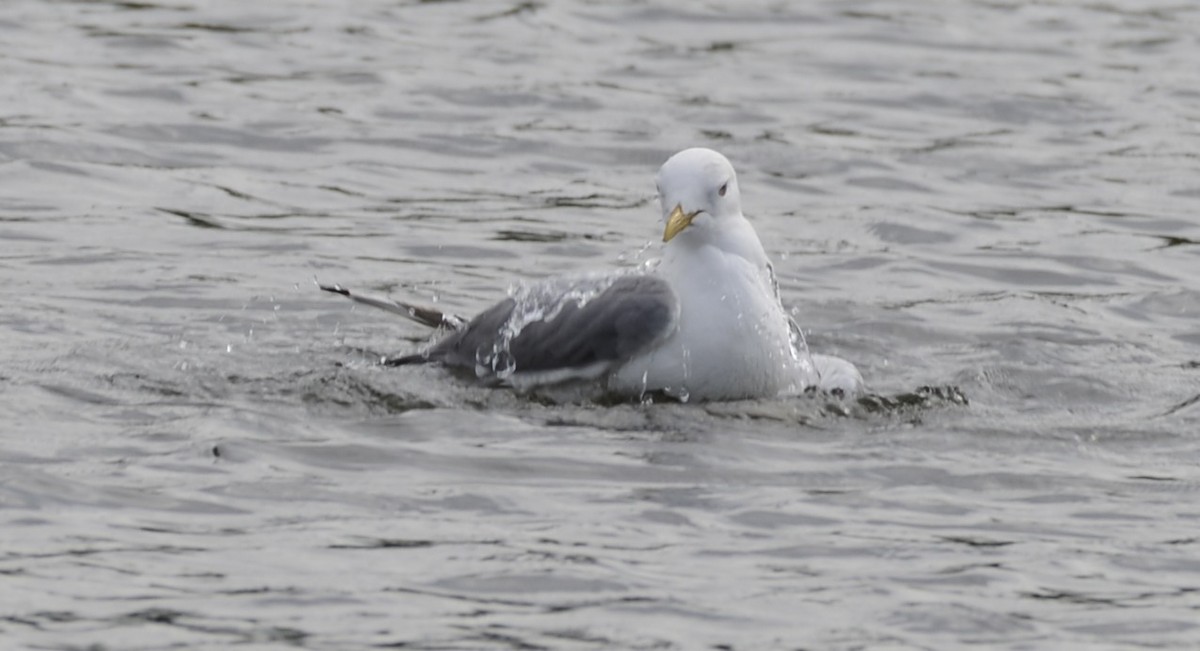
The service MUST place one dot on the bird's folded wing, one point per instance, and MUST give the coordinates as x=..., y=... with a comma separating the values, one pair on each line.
x=630, y=316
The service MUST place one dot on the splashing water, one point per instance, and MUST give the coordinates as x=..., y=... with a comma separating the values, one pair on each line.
x=683, y=394
x=798, y=357
x=534, y=303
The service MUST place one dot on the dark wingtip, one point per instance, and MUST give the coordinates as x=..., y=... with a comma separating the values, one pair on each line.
x=405, y=360
x=336, y=289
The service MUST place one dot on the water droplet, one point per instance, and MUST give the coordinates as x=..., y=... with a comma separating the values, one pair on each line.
x=503, y=363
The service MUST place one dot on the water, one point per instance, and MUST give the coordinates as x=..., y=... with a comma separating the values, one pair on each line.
x=198, y=450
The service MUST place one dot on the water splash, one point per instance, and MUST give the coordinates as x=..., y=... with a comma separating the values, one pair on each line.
x=798, y=357
x=799, y=343
x=497, y=362
x=535, y=302
x=640, y=256
x=683, y=393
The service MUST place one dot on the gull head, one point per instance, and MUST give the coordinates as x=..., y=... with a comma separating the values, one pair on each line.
x=698, y=190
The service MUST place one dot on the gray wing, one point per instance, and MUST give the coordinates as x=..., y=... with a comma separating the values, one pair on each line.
x=632, y=314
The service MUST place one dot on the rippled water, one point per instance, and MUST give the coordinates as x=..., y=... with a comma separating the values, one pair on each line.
x=198, y=450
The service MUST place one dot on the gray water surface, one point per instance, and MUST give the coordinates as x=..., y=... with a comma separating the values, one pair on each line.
x=198, y=449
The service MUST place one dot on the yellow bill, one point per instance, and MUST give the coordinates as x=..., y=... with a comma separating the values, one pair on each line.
x=677, y=221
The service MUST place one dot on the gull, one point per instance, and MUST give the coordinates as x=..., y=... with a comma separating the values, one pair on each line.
x=705, y=323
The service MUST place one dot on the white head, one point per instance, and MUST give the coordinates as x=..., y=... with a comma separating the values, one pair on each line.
x=697, y=189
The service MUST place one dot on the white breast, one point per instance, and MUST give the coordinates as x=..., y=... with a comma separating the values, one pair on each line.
x=732, y=339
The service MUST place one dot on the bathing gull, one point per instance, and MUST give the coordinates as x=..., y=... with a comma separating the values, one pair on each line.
x=705, y=323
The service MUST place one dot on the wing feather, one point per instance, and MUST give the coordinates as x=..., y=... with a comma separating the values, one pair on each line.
x=632, y=314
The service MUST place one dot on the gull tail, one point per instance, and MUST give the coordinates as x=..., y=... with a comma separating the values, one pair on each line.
x=426, y=316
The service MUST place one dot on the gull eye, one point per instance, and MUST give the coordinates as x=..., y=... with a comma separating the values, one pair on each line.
x=723, y=189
